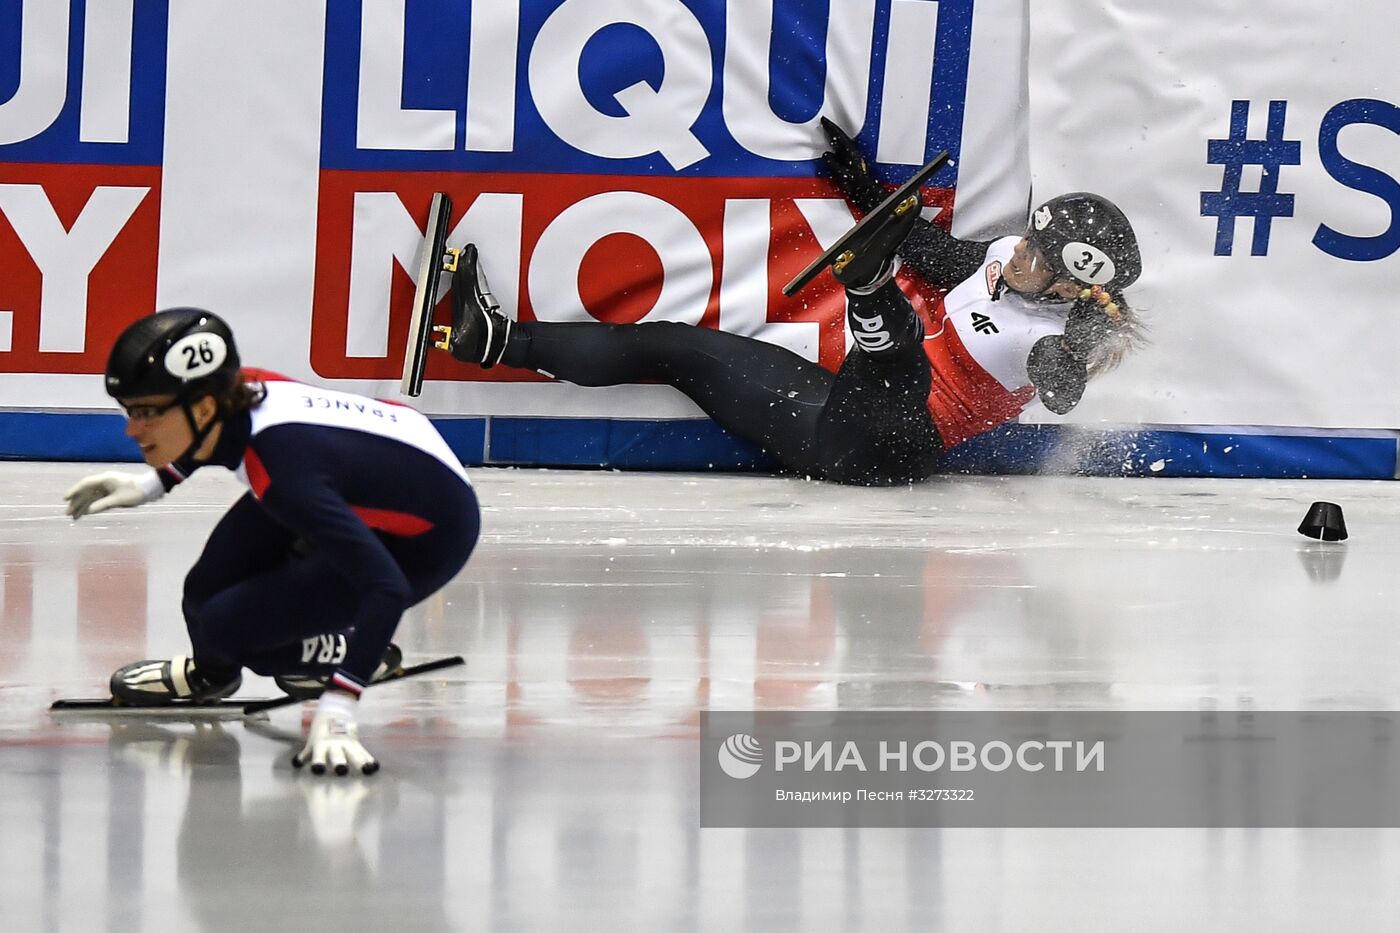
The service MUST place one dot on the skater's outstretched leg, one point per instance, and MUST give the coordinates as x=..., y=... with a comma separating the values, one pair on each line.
x=876, y=428
x=761, y=392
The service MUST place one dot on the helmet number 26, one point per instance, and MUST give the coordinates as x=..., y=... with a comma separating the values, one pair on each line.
x=196, y=355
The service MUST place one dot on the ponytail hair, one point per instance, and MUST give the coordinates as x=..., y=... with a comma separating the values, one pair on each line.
x=1102, y=328
x=242, y=394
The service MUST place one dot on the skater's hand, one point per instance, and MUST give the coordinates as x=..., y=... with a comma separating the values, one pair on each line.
x=848, y=168
x=110, y=489
x=334, y=740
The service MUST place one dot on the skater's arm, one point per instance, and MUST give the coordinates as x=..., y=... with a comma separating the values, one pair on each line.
x=298, y=490
x=309, y=506
x=116, y=489
x=1057, y=373
x=297, y=486
x=112, y=489
x=941, y=258
x=1098, y=330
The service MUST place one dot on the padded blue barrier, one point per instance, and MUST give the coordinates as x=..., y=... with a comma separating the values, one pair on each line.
x=702, y=445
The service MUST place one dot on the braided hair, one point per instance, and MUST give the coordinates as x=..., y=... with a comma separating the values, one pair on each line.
x=1102, y=328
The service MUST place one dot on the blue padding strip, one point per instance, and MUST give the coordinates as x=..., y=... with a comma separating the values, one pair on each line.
x=1014, y=449
x=629, y=445
x=466, y=437
x=702, y=445
x=47, y=435
x=26, y=435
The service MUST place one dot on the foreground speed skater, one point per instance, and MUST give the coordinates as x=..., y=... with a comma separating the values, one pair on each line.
x=1038, y=313
x=356, y=510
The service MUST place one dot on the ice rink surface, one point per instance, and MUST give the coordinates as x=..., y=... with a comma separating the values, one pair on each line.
x=551, y=783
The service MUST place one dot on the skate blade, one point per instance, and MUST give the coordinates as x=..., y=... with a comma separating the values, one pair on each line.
x=400, y=673
x=899, y=203
x=99, y=709
x=434, y=257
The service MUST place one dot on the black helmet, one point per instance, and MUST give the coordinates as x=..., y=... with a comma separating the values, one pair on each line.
x=185, y=352
x=1087, y=238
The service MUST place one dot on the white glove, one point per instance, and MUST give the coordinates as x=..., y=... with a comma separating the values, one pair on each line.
x=102, y=491
x=334, y=740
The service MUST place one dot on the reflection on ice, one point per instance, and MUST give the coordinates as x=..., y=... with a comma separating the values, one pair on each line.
x=550, y=782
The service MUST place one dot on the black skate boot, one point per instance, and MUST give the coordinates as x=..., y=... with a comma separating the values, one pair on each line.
x=161, y=683
x=310, y=686
x=479, y=330
x=868, y=261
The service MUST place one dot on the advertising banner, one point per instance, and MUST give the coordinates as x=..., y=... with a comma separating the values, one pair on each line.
x=1257, y=151
x=615, y=161
x=630, y=160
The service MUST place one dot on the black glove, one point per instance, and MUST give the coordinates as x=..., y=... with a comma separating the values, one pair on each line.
x=1057, y=374
x=848, y=169
x=1086, y=327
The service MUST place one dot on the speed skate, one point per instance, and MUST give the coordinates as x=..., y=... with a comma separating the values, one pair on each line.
x=229, y=707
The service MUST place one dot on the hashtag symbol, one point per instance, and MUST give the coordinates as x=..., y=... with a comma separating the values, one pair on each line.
x=1270, y=153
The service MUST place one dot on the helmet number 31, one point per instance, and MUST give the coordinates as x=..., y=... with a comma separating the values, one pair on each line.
x=1088, y=263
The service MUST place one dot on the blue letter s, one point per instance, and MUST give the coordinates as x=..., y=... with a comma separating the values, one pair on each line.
x=1360, y=177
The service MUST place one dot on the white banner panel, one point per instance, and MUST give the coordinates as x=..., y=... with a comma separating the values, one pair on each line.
x=616, y=159
x=1255, y=148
